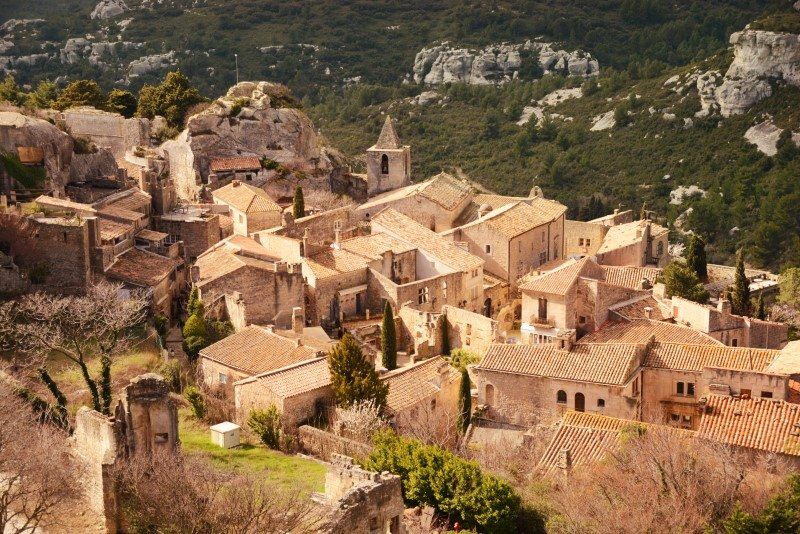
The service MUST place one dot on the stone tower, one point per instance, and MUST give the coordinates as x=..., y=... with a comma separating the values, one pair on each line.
x=388, y=162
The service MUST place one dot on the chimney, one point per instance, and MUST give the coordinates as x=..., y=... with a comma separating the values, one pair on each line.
x=616, y=211
x=660, y=291
x=724, y=306
x=648, y=312
x=236, y=183
x=564, y=460
x=306, y=234
x=483, y=210
x=298, y=321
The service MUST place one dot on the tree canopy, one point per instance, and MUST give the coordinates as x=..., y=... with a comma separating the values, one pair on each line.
x=353, y=377
x=681, y=281
x=171, y=99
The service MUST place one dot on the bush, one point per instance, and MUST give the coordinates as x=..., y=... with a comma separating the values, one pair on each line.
x=454, y=486
x=171, y=371
x=267, y=425
x=196, y=400
x=460, y=358
x=237, y=106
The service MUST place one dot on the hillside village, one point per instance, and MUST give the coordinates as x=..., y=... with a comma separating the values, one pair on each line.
x=568, y=331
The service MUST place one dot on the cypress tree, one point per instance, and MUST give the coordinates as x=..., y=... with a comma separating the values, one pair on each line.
x=696, y=257
x=740, y=298
x=761, y=310
x=388, y=339
x=353, y=377
x=299, y=204
x=464, y=402
x=445, y=337
x=194, y=302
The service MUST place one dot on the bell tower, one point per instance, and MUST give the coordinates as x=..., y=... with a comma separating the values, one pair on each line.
x=388, y=162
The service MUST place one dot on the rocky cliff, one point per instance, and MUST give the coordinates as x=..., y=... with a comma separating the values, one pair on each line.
x=252, y=119
x=499, y=63
x=760, y=58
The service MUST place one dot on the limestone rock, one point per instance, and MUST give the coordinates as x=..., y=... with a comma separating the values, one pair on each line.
x=107, y=9
x=425, y=97
x=736, y=96
x=5, y=46
x=264, y=127
x=146, y=64
x=765, y=136
x=604, y=121
x=498, y=63
x=78, y=48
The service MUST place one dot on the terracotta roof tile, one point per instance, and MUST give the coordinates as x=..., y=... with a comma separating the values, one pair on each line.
x=630, y=277
x=254, y=350
x=641, y=330
x=111, y=230
x=512, y=220
x=141, y=268
x=767, y=425
x=688, y=357
x=446, y=190
x=294, y=379
x=136, y=201
x=373, y=246
x=246, y=198
x=115, y=213
x=151, y=235
x=334, y=262
x=560, y=280
x=602, y=364
x=635, y=309
x=623, y=235
x=235, y=163
x=408, y=386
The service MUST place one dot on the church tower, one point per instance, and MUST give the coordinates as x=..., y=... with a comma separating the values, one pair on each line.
x=388, y=162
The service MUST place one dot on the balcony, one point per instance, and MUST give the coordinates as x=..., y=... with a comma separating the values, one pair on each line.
x=541, y=322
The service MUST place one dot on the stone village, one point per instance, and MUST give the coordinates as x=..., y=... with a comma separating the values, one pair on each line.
x=572, y=327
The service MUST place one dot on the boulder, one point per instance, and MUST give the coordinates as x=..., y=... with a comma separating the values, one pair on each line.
x=604, y=121
x=765, y=136
x=146, y=64
x=107, y=9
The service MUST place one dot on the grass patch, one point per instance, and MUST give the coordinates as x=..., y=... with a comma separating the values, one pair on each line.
x=289, y=472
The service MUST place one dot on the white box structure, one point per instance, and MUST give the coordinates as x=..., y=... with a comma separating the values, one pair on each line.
x=226, y=434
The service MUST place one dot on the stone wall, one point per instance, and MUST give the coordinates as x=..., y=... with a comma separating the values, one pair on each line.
x=64, y=246
x=197, y=233
x=583, y=238
x=324, y=445
x=252, y=395
x=470, y=330
x=108, y=130
x=399, y=173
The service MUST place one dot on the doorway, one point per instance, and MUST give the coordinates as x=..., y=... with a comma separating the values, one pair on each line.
x=580, y=402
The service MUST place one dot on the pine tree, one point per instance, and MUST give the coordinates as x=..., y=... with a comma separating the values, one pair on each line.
x=388, y=339
x=761, y=310
x=353, y=377
x=740, y=298
x=299, y=204
x=681, y=281
x=464, y=402
x=696, y=257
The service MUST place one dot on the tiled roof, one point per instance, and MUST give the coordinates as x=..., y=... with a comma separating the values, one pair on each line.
x=111, y=230
x=151, y=235
x=373, y=246
x=141, y=268
x=136, y=201
x=388, y=138
x=560, y=280
x=472, y=210
x=333, y=262
x=408, y=386
x=687, y=357
x=294, y=379
x=221, y=261
x=767, y=425
x=64, y=204
x=623, y=235
x=402, y=227
x=641, y=330
x=236, y=163
x=446, y=190
x=120, y=214
x=246, y=198
x=630, y=277
x=601, y=363
x=512, y=220
x=635, y=308
x=254, y=350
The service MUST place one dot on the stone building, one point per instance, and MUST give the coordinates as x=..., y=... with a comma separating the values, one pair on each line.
x=388, y=162
x=242, y=168
x=162, y=277
x=515, y=238
x=583, y=238
x=268, y=289
x=251, y=208
x=199, y=228
x=637, y=244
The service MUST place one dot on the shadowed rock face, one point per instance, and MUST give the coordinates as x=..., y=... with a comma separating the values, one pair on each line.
x=107, y=9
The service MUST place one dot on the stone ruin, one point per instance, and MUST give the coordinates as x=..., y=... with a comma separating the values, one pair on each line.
x=144, y=421
x=361, y=501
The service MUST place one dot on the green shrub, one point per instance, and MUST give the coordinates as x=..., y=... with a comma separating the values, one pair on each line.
x=196, y=400
x=460, y=358
x=237, y=106
x=267, y=425
x=454, y=486
x=171, y=371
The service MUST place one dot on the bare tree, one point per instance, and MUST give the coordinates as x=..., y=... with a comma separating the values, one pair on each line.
x=166, y=492
x=97, y=324
x=360, y=421
x=431, y=424
x=37, y=474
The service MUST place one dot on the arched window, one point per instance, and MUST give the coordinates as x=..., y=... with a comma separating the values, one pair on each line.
x=601, y=403
x=580, y=402
x=384, y=164
x=561, y=396
x=489, y=394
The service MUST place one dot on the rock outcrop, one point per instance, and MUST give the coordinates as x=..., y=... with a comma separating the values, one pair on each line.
x=79, y=48
x=146, y=64
x=765, y=136
x=252, y=119
x=499, y=63
x=107, y=9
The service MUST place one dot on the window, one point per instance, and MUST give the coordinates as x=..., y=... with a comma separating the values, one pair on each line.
x=766, y=394
x=249, y=177
x=422, y=298
x=469, y=329
x=543, y=309
x=734, y=342
x=674, y=418
x=489, y=394
x=241, y=218
x=542, y=258
x=635, y=386
x=690, y=388
x=601, y=403
x=488, y=249
x=433, y=404
x=746, y=393
x=561, y=397
x=542, y=236
x=161, y=437
x=444, y=289
x=65, y=237
x=580, y=241
x=582, y=319
x=679, y=388
x=588, y=242
x=384, y=164
x=686, y=422
x=660, y=248
x=223, y=378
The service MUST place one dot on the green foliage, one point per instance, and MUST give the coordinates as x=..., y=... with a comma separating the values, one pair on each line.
x=781, y=514
x=740, y=294
x=122, y=102
x=460, y=358
x=454, y=486
x=388, y=338
x=196, y=400
x=161, y=324
x=696, y=257
x=445, y=328
x=761, y=310
x=28, y=177
x=237, y=106
x=195, y=332
x=105, y=384
x=298, y=203
x=171, y=99
x=83, y=145
x=353, y=377
x=81, y=93
x=681, y=281
x=491, y=126
x=11, y=92
x=789, y=282
x=171, y=371
x=621, y=116
x=267, y=425
x=193, y=305
x=43, y=97
x=464, y=401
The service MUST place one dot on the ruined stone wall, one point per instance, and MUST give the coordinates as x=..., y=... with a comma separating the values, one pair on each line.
x=470, y=330
x=151, y=416
x=321, y=226
x=440, y=290
x=108, y=130
x=64, y=247
x=197, y=234
x=326, y=293
x=254, y=395
x=324, y=445
x=583, y=238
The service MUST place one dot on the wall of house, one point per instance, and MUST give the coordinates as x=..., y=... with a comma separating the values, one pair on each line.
x=285, y=248
x=433, y=413
x=321, y=226
x=559, y=308
x=197, y=234
x=64, y=249
x=530, y=400
x=583, y=238
x=326, y=290
x=425, y=212
x=211, y=371
x=399, y=170
x=295, y=410
x=441, y=289
x=470, y=330
x=660, y=396
x=419, y=332
x=631, y=255
x=593, y=300
x=526, y=251
x=735, y=382
x=261, y=221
